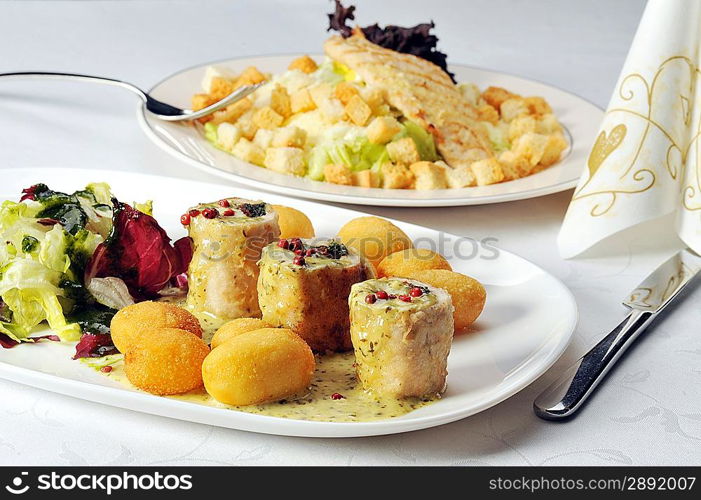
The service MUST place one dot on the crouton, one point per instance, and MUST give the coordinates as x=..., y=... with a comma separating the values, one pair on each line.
x=553, y=149
x=227, y=136
x=221, y=87
x=366, y=178
x=338, y=174
x=514, y=166
x=232, y=112
x=403, y=151
x=532, y=147
x=471, y=93
x=344, y=91
x=460, y=176
x=548, y=124
x=358, y=111
x=396, y=176
x=320, y=93
x=246, y=126
x=212, y=72
x=263, y=138
x=301, y=101
x=382, y=129
x=332, y=110
x=374, y=98
x=488, y=113
x=429, y=176
x=538, y=106
x=496, y=96
x=289, y=137
x=487, y=172
x=513, y=108
x=305, y=64
x=285, y=160
x=250, y=76
x=266, y=117
x=280, y=101
x=247, y=151
x=201, y=101
x=521, y=125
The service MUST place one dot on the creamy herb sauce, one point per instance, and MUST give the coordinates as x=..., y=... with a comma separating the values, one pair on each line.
x=335, y=374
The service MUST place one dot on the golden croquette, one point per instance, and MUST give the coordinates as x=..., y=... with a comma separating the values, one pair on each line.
x=134, y=321
x=262, y=366
x=236, y=327
x=293, y=223
x=166, y=361
x=412, y=259
x=467, y=293
x=374, y=238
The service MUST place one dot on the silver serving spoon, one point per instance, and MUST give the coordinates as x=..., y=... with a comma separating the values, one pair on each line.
x=159, y=109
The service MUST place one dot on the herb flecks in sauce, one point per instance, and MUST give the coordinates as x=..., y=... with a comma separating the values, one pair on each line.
x=334, y=375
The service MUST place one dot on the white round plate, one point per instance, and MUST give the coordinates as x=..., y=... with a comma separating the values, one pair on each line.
x=580, y=118
x=526, y=325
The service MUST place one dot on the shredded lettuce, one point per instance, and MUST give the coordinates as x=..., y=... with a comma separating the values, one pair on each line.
x=210, y=132
x=423, y=139
x=345, y=146
x=47, y=240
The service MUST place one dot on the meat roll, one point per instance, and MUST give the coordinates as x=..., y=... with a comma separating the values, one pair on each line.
x=401, y=332
x=304, y=286
x=228, y=237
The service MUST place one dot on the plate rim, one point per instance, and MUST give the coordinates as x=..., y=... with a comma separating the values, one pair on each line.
x=301, y=192
x=171, y=408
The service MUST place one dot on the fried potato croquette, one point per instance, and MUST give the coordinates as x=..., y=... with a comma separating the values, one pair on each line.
x=133, y=322
x=374, y=238
x=404, y=262
x=293, y=223
x=467, y=293
x=166, y=361
x=235, y=328
x=264, y=365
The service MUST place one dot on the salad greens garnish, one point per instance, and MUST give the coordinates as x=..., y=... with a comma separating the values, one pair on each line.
x=68, y=259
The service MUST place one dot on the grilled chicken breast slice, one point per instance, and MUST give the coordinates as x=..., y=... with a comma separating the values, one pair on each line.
x=422, y=91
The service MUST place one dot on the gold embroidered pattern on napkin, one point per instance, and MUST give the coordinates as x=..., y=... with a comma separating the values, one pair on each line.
x=636, y=178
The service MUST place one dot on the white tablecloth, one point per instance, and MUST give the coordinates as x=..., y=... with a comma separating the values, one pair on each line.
x=647, y=412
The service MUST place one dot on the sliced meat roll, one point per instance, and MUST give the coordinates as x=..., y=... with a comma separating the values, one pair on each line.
x=304, y=286
x=228, y=237
x=401, y=332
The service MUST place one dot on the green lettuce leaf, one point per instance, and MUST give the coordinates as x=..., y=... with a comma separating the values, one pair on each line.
x=351, y=149
x=423, y=139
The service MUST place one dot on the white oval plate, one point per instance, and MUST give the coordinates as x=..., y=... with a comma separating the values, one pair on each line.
x=580, y=118
x=526, y=325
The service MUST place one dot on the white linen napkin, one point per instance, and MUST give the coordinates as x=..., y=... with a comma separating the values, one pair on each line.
x=646, y=160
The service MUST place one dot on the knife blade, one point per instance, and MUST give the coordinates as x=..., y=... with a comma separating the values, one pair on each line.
x=565, y=396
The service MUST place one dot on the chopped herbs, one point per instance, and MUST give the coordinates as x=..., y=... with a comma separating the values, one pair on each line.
x=336, y=250
x=253, y=209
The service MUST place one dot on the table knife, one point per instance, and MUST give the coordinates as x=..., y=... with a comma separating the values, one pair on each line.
x=565, y=396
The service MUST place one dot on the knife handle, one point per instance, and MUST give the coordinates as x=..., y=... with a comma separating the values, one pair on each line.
x=564, y=396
